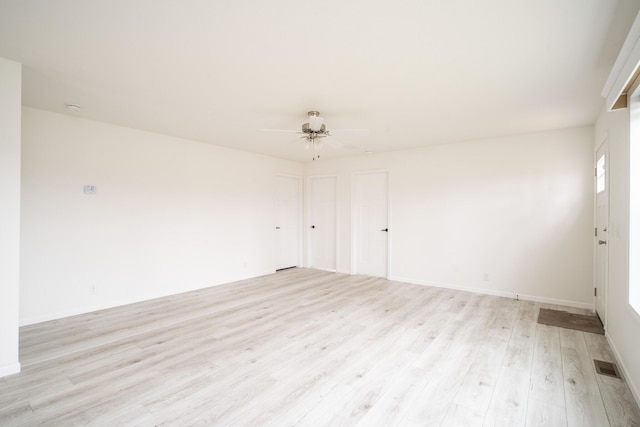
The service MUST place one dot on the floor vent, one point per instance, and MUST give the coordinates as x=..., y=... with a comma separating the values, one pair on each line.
x=606, y=368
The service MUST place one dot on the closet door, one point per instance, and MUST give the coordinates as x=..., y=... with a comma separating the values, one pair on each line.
x=288, y=204
x=370, y=232
x=321, y=223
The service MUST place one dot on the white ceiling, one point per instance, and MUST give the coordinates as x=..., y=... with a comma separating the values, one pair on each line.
x=414, y=72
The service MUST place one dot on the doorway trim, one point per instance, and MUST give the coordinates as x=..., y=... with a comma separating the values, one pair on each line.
x=603, y=293
x=353, y=263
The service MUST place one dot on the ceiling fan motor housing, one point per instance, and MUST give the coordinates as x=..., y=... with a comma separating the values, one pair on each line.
x=306, y=128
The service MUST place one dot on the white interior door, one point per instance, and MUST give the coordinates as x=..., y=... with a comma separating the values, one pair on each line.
x=287, y=221
x=322, y=223
x=602, y=231
x=370, y=233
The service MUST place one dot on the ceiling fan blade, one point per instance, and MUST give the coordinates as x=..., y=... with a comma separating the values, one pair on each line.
x=358, y=132
x=352, y=147
x=299, y=141
x=334, y=143
x=280, y=130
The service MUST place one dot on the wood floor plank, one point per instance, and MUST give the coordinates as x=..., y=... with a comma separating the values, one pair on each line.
x=620, y=405
x=397, y=399
x=447, y=369
x=307, y=347
x=459, y=415
x=368, y=388
x=546, y=374
x=479, y=382
x=545, y=414
x=508, y=405
x=616, y=396
x=476, y=390
x=584, y=402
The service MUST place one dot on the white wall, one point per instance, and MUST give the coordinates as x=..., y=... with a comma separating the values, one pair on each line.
x=10, y=102
x=170, y=215
x=518, y=208
x=623, y=329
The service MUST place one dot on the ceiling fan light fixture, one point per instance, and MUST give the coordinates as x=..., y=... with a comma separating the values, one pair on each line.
x=306, y=128
x=315, y=123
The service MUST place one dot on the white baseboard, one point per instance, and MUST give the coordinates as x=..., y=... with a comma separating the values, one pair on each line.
x=118, y=303
x=9, y=369
x=513, y=295
x=72, y=312
x=634, y=389
x=567, y=303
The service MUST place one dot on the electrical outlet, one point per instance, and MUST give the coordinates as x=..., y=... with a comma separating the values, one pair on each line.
x=89, y=189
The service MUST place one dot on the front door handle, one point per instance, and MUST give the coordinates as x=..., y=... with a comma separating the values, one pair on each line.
x=602, y=242
x=385, y=229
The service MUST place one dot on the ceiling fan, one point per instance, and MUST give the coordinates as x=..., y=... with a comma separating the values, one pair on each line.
x=315, y=131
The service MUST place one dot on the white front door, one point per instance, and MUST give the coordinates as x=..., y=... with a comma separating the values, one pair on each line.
x=370, y=223
x=602, y=230
x=287, y=203
x=322, y=223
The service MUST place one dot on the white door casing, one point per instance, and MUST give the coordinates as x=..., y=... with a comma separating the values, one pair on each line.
x=602, y=230
x=321, y=222
x=288, y=221
x=370, y=225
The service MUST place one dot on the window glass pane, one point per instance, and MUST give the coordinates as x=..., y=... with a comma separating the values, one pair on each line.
x=600, y=175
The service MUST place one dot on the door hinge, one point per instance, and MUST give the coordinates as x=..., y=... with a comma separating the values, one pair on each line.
x=595, y=231
x=595, y=292
x=595, y=171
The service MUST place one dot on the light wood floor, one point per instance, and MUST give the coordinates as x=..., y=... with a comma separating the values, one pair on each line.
x=312, y=348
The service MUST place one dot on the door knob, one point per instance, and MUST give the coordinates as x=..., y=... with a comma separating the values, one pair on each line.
x=602, y=242
x=385, y=229
x=277, y=228
x=313, y=226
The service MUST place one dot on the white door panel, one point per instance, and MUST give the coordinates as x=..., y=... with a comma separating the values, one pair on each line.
x=322, y=223
x=370, y=225
x=287, y=222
